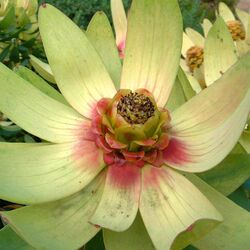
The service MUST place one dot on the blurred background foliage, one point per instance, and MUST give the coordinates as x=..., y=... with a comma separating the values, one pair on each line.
x=81, y=11
x=19, y=34
x=210, y=6
x=193, y=11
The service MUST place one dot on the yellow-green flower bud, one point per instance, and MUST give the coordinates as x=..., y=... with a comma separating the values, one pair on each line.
x=30, y=6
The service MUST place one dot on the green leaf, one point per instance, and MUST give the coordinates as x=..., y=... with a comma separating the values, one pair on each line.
x=14, y=54
x=196, y=232
x=134, y=238
x=233, y=232
x=9, y=240
x=245, y=140
x=1, y=138
x=240, y=198
x=39, y=83
x=227, y=176
x=9, y=18
x=28, y=139
x=4, y=53
x=95, y=243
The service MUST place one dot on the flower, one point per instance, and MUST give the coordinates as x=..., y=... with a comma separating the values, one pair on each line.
x=193, y=54
x=193, y=49
x=98, y=169
x=29, y=6
x=218, y=53
x=239, y=29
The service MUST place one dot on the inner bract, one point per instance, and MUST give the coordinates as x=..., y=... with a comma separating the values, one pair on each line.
x=131, y=128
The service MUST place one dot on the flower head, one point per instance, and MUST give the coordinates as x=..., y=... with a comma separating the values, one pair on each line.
x=131, y=128
x=112, y=152
x=193, y=54
x=236, y=29
x=208, y=58
x=239, y=28
x=194, y=57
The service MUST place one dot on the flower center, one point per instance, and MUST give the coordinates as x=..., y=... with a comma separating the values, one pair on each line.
x=236, y=29
x=194, y=57
x=131, y=128
x=135, y=108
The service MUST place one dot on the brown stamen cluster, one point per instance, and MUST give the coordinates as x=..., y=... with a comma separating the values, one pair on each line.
x=236, y=29
x=135, y=108
x=194, y=57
